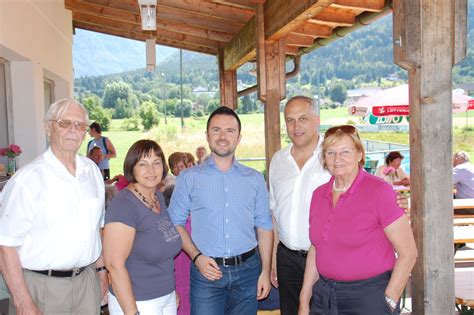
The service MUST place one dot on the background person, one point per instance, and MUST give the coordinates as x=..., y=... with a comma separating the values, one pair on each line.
x=50, y=218
x=104, y=143
x=201, y=154
x=190, y=159
x=140, y=241
x=391, y=171
x=178, y=162
x=355, y=229
x=463, y=175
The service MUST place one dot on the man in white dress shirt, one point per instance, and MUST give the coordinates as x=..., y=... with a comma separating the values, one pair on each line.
x=50, y=218
x=295, y=172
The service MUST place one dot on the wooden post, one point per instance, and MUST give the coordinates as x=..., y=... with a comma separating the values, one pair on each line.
x=424, y=45
x=227, y=84
x=276, y=91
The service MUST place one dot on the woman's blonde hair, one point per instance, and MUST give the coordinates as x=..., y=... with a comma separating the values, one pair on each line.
x=335, y=134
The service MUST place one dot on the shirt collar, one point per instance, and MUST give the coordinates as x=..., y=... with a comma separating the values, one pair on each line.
x=57, y=165
x=355, y=184
x=211, y=163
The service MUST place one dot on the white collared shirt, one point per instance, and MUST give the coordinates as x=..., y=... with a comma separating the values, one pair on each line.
x=51, y=216
x=291, y=190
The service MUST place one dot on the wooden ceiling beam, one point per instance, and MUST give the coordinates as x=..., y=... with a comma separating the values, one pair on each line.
x=281, y=18
x=102, y=11
x=299, y=40
x=292, y=50
x=335, y=17
x=92, y=20
x=314, y=30
x=143, y=37
x=194, y=30
x=360, y=5
x=244, y=4
x=164, y=33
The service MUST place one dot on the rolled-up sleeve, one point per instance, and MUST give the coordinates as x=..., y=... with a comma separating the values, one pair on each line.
x=16, y=214
x=180, y=203
x=263, y=218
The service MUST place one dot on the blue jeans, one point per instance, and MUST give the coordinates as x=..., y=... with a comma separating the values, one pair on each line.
x=234, y=294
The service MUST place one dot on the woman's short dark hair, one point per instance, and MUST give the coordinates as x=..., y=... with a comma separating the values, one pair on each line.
x=95, y=125
x=177, y=157
x=392, y=156
x=138, y=150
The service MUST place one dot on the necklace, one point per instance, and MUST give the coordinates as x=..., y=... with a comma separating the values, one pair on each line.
x=343, y=189
x=153, y=205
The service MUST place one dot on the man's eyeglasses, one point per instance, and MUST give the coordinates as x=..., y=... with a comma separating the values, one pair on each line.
x=344, y=128
x=66, y=124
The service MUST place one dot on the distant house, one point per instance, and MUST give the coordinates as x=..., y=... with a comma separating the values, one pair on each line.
x=203, y=90
x=354, y=95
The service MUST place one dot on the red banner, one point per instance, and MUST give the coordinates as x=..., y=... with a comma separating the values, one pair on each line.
x=396, y=110
x=471, y=105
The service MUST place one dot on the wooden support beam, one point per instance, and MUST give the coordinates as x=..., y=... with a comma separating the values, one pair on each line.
x=292, y=50
x=360, y=5
x=245, y=4
x=260, y=44
x=314, y=30
x=299, y=40
x=276, y=91
x=460, y=30
x=423, y=44
x=335, y=17
x=227, y=84
x=143, y=37
x=281, y=17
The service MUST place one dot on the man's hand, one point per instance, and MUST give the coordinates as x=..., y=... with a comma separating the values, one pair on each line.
x=263, y=286
x=303, y=309
x=104, y=283
x=28, y=309
x=402, y=201
x=273, y=273
x=208, y=268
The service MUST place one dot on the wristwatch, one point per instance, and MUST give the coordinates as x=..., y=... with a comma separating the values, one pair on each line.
x=391, y=302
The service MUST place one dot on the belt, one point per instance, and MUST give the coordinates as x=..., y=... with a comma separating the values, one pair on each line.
x=303, y=253
x=235, y=260
x=61, y=273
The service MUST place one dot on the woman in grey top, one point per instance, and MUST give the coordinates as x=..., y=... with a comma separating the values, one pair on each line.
x=140, y=241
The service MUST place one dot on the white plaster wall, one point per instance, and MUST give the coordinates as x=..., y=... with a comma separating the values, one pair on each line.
x=36, y=41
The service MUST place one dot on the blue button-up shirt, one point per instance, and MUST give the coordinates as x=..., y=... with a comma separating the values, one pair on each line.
x=225, y=207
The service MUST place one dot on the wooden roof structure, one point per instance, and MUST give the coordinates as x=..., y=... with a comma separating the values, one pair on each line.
x=207, y=26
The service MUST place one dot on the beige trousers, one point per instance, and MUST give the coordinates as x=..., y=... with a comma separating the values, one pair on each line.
x=64, y=296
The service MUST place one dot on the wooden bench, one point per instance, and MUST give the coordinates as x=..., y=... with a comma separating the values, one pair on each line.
x=464, y=288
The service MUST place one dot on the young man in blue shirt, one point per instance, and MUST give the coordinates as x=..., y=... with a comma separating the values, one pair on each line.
x=228, y=203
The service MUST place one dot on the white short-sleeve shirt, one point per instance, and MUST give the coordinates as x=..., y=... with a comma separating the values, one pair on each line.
x=291, y=190
x=51, y=216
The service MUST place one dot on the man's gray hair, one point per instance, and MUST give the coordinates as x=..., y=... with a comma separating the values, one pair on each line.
x=314, y=107
x=463, y=156
x=57, y=110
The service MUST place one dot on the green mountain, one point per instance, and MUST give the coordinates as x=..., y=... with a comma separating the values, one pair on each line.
x=361, y=57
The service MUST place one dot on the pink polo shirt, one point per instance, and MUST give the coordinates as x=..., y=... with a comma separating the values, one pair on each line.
x=349, y=239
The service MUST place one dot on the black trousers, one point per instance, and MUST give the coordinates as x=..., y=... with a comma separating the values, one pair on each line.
x=290, y=273
x=361, y=297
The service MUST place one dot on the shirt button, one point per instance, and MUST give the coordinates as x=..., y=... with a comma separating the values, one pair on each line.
x=226, y=220
x=225, y=189
x=226, y=204
x=227, y=236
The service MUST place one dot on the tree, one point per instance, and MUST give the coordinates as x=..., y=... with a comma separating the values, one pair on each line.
x=338, y=93
x=149, y=115
x=96, y=111
x=119, y=95
x=247, y=105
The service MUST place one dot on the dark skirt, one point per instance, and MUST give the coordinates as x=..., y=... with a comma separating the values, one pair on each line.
x=361, y=297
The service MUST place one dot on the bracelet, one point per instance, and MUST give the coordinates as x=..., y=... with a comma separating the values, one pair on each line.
x=99, y=269
x=196, y=257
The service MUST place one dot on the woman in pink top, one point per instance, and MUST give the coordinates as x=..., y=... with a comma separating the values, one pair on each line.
x=355, y=229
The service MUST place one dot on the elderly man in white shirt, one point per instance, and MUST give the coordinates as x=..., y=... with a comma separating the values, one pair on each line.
x=50, y=218
x=295, y=172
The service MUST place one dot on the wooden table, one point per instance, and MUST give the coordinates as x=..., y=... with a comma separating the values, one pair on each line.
x=463, y=234
x=463, y=204
x=464, y=287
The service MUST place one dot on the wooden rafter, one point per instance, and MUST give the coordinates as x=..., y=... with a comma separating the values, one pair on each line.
x=361, y=5
x=143, y=37
x=281, y=17
x=299, y=40
x=136, y=28
x=314, y=30
x=244, y=4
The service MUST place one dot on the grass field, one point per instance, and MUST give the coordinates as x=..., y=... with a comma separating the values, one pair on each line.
x=174, y=138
